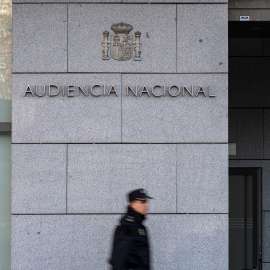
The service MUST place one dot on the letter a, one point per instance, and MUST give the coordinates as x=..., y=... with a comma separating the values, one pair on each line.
x=200, y=91
x=28, y=91
x=112, y=90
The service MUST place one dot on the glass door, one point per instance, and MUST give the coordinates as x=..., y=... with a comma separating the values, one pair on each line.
x=244, y=219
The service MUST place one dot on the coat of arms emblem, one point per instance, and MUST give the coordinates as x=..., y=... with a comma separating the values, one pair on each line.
x=121, y=43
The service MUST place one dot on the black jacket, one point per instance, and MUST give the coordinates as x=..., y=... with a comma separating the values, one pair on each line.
x=130, y=245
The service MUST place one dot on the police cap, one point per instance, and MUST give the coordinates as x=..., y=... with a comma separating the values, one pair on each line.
x=138, y=194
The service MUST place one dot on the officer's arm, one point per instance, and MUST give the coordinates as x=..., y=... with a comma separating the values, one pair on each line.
x=123, y=244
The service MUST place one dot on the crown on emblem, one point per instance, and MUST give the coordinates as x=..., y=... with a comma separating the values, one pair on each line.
x=121, y=28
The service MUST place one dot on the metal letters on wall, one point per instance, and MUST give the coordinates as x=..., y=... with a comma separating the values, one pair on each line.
x=121, y=43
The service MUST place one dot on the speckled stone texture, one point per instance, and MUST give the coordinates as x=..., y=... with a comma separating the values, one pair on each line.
x=119, y=1
x=39, y=178
x=62, y=242
x=189, y=241
x=178, y=119
x=202, y=38
x=99, y=176
x=246, y=130
x=157, y=24
x=174, y=1
x=265, y=165
x=39, y=38
x=84, y=241
x=69, y=1
x=202, y=178
x=66, y=119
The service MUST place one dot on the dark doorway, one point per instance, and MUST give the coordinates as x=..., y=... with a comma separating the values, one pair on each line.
x=249, y=64
x=245, y=219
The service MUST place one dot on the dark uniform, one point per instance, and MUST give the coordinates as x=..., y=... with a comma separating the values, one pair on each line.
x=130, y=245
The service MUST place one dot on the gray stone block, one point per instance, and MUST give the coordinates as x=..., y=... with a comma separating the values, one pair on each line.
x=266, y=131
x=63, y=119
x=61, y=242
x=251, y=84
x=66, y=242
x=266, y=237
x=266, y=266
x=39, y=178
x=246, y=130
x=118, y=1
x=202, y=38
x=175, y=1
x=202, y=178
x=265, y=165
x=99, y=176
x=155, y=22
x=39, y=38
x=189, y=241
x=178, y=119
x=67, y=1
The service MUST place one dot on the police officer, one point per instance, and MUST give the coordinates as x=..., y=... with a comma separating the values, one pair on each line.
x=130, y=246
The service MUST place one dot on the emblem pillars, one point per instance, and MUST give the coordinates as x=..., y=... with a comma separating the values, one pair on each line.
x=106, y=45
x=121, y=44
x=137, y=44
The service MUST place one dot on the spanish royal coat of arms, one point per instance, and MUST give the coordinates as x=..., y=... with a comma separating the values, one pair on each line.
x=121, y=43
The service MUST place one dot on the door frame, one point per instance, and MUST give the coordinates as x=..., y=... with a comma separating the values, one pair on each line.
x=256, y=172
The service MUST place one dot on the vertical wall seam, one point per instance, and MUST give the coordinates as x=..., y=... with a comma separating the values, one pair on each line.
x=176, y=7
x=121, y=107
x=67, y=37
x=67, y=179
x=176, y=177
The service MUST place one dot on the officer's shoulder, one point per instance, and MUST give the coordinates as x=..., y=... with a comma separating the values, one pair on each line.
x=128, y=220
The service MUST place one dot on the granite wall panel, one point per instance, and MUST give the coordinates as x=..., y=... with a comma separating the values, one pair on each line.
x=57, y=171
x=67, y=241
x=180, y=119
x=202, y=178
x=82, y=119
x=99, y=176
x=63, y=119
x=39, y=38
x=175, y=1
x=189, y=241
x=38, y=178
x=61, y=241
x=155, y=22
x=119, y=1
x=202, y=34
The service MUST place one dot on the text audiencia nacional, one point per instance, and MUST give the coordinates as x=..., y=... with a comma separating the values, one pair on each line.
x=99, y=90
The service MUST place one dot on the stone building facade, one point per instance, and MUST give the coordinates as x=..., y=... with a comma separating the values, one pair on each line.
x=86, y=130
